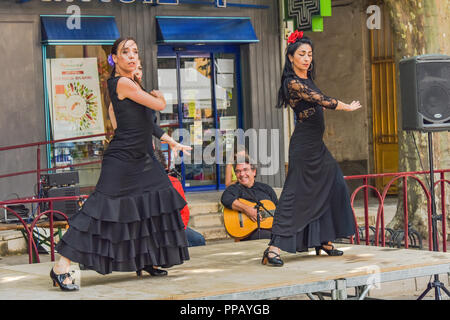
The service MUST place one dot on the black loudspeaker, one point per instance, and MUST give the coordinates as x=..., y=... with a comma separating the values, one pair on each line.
x=425, y=93
x=67, y=207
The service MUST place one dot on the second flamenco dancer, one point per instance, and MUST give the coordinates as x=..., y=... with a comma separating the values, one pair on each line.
x=314, y=207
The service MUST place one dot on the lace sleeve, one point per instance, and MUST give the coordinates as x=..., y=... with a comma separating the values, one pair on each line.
x=300, y=91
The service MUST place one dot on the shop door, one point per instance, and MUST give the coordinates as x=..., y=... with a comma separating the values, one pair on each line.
x=201, y=88
x=384, y=103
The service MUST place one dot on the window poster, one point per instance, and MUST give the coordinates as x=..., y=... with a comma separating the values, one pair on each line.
x=196, y=133
x=225, y=80
x=225, y=65
x=191, y=109
x=76, y=107
x=228, y=123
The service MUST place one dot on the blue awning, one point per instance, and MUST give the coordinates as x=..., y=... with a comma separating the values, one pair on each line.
x=205, y=30
x=63, y=29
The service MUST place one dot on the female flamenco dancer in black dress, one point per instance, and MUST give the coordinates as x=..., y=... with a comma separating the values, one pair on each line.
x=131, y=222
x=314, y=207
x=157, y=132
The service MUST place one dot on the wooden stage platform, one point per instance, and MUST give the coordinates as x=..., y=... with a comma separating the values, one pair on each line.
x=234, y=271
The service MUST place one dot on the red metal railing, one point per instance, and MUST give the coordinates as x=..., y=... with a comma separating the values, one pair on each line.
x=380, y=223
x=29, y=227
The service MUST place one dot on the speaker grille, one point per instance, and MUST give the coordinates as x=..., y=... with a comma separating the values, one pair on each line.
x=67, y=207
x=434, y=93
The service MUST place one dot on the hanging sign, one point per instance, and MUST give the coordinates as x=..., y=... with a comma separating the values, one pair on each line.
x=307, y=14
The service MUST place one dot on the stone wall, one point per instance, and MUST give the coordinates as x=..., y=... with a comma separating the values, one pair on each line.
x=342, y=56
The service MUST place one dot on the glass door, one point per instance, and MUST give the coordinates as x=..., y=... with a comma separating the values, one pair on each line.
x=201, y=88
x=197, y=118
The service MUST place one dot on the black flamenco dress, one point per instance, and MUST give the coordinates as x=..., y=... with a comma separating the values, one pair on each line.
x=132, y=219
x=314, y=206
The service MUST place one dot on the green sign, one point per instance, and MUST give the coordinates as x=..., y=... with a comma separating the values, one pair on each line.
x=307, y=15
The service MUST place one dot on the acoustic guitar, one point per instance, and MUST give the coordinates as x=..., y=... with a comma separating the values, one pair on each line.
x=238, y=224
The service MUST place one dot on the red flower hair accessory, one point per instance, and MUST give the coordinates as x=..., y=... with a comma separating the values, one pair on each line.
x=295, y=36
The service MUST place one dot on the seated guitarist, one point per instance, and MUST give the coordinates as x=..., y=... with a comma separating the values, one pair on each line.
x=247, y=188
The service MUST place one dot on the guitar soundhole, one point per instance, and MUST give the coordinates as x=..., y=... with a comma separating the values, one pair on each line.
x=241, y=221
x=265, y=215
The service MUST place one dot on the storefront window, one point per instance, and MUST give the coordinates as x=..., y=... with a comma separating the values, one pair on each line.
x=78, y=106
x=199, y=85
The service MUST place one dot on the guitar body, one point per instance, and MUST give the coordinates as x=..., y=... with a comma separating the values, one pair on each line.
x=238, y=224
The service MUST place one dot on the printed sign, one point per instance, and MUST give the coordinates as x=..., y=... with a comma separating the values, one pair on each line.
x=228, y=123
x=75, y=98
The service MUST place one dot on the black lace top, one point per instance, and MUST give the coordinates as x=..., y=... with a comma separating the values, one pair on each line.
x=305, y=97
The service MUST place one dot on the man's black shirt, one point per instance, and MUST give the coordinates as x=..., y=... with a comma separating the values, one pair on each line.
x=260, y=191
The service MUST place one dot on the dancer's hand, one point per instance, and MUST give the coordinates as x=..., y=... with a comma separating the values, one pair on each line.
x=355, y=105
x=177, y=147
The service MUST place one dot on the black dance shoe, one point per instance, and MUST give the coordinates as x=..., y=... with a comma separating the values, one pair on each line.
x=330, y=252
x=58, y=281
x=274, y=261
x=153, y=271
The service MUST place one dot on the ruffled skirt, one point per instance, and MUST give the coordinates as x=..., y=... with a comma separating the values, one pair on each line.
x=314, y=206
x=128, y=232
x=336, y=222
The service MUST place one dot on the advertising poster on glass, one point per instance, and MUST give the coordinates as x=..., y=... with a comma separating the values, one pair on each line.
x=76, y=98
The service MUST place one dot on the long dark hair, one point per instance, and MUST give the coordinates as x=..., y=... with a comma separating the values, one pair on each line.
x=139, y=82
x=114, y=49
x=289, y=73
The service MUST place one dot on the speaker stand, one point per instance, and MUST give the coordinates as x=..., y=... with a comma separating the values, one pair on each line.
x=436, y=284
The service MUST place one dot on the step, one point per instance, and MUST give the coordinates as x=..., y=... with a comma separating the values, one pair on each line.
x=204, y=207
x=206, y=220
x=10, y=235
x=12, y=242
x=217, y=233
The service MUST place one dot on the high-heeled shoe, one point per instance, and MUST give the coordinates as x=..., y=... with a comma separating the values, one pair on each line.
x=153, y=271
x=273, y=261
x=58, y=281
x=330, y=252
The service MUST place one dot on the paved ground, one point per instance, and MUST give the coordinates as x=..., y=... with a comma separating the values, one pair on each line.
x=226, y=268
